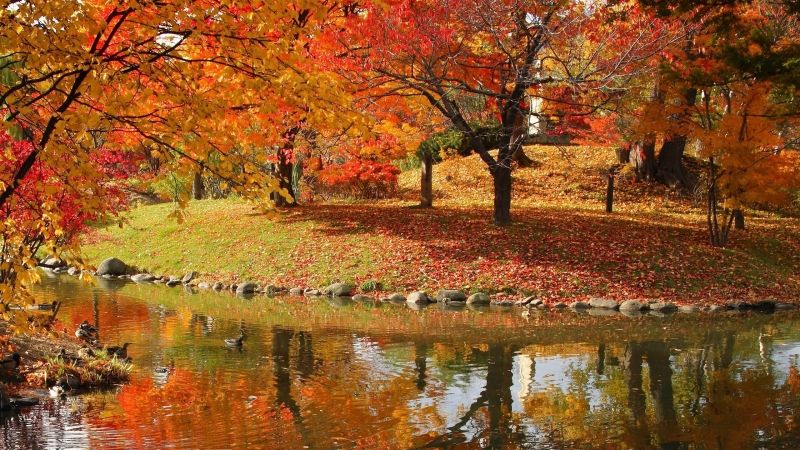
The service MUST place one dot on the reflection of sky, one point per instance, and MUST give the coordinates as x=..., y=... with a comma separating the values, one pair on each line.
x=529, y=374
x=371, y=355
x=784, y=355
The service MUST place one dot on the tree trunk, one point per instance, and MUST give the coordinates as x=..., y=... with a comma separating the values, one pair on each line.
x=522, y=159
x=670, y=162
x=643, y=159
x=738, y=219
x=518, y=139
x=623, y=155
x=670, y=159
x=198, y=189
x=610, y=193
x=502, y=194
x=283, y=170
x=426, y=181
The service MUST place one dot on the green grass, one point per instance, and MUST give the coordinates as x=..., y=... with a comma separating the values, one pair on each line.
x=226, y=239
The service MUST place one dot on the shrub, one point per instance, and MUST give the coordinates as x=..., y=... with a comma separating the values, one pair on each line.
x=453, y=142
x=371, y=286
x=359, y=178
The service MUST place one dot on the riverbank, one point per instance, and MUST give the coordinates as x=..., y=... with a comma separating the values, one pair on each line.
x=57, y=359
x=561, y=247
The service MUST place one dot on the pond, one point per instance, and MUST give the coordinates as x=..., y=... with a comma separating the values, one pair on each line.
x=318, y=373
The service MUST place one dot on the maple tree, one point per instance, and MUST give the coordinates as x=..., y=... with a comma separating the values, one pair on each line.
x=500, y=52
x=735, y=105
x=199, y=83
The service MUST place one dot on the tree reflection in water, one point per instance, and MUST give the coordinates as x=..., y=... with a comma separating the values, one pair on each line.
x=349, y=376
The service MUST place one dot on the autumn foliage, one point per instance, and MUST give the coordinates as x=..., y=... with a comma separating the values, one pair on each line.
x=360, y=178
x=252, y=93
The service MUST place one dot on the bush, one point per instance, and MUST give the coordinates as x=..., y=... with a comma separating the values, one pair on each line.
x=360, y=179
x=453, y=142
x=371, y=286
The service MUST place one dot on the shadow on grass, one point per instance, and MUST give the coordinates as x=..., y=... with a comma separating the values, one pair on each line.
x=577, y=252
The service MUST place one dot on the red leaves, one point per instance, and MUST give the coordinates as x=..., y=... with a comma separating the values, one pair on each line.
x=363, y=178
x=44, y=184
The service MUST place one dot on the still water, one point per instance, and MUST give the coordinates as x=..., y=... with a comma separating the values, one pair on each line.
x=332, y=374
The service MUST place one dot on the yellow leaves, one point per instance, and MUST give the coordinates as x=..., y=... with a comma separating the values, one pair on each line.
x=178, y=214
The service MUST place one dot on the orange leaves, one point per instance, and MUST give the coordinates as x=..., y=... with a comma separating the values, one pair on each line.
x=362, y=178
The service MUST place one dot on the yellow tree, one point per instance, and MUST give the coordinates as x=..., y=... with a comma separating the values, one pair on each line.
x=742, y=115
x=196, y=81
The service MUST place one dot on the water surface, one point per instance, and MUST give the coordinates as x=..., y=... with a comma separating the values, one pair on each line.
x=336, y=374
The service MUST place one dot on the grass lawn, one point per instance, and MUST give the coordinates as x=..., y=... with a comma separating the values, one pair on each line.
x=561, y=244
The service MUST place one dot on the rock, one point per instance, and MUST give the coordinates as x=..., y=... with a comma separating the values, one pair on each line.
x=112, y=266
x=530, y=302
x=188, y=277
x=203, y=285
x=73, y=271
x=52, y=263
x=784, y=306
x=418, y=298
x=716, y=308
x=446, y=295
x=312, y=293
x=396, y=297
x=124, y=277
x=579, y=305
x=688, y=309
x=108, y=276
x=159, y=280
x=740, y=305
x=270, y=290
x=559, y=305
x=363, y=298
x=764, y=305
x=663, y=307
x=173, y=281
x=233, y=287
x=478, y=298
x=603, y=303
x=218, y=286
x=246, y=288
x=59, y=270
x=142, y=278
x=631, y=305
x=296, y=291
x=339, y=290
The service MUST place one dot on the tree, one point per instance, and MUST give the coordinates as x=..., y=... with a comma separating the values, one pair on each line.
x=731, y=30
x=741, y=116
x=196, y=81
x=501, y=52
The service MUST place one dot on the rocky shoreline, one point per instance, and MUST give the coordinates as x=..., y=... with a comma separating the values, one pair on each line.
x=113, y=268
